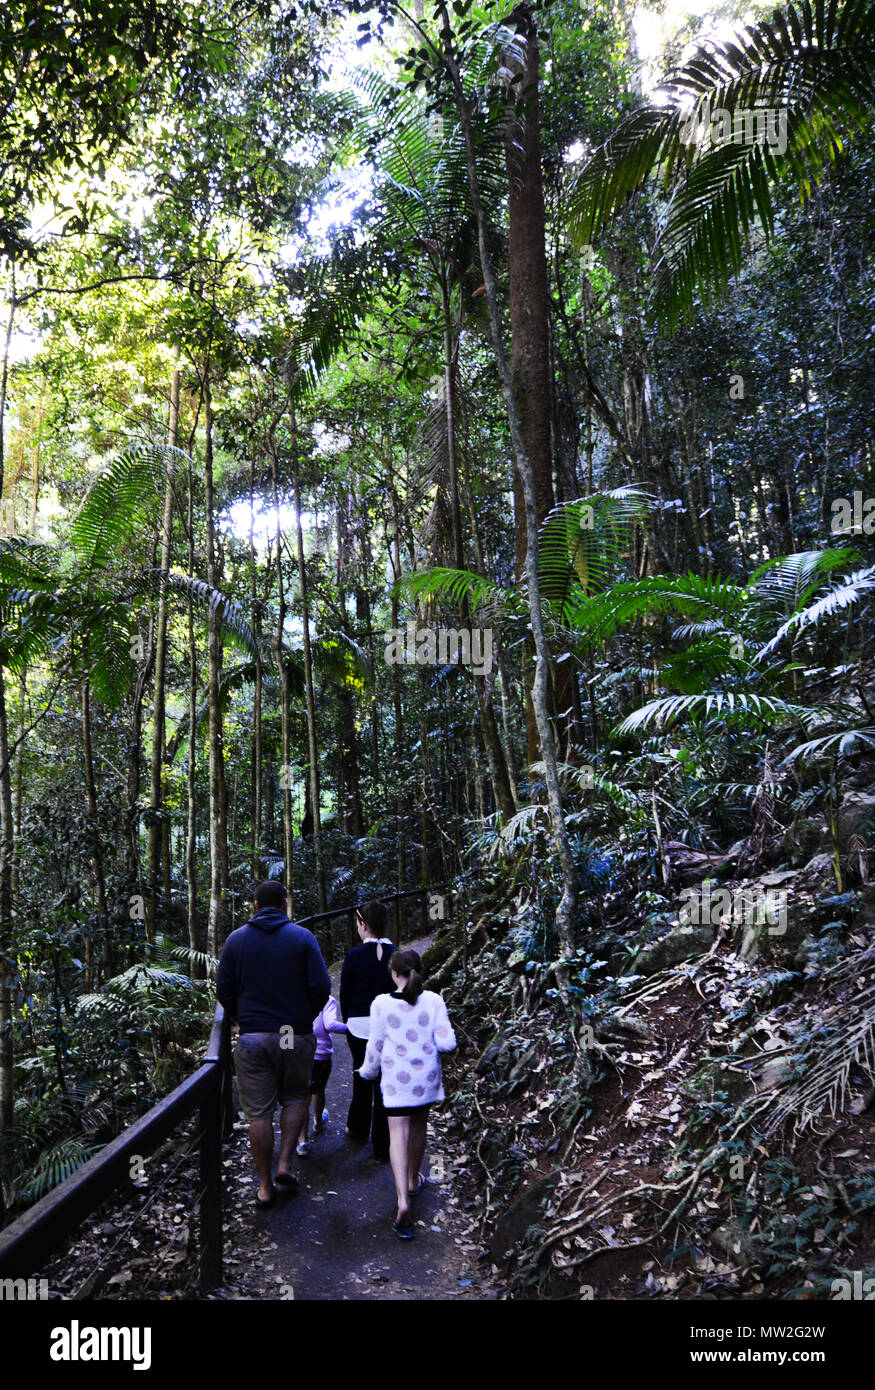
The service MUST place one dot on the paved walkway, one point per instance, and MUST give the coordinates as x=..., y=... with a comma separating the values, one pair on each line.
x=334, y=1239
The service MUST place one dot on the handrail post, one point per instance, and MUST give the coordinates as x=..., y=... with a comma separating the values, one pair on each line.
x=397, y=919
x=424, y=912
x=226, y=1080
x=211, y=1185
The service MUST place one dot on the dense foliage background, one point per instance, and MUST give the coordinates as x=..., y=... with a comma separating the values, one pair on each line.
x=281, y=312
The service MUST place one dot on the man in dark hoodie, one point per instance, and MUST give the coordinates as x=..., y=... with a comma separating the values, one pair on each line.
x=273, y=982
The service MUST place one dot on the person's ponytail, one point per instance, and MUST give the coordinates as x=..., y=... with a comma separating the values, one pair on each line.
x=413, y=988
x=409, y=965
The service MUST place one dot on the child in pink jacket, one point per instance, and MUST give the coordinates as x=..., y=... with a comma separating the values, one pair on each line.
x=324, y=1025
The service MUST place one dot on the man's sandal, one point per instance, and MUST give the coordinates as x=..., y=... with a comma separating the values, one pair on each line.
x=287, y=1181
x=261, y=1205
x=404, y=1232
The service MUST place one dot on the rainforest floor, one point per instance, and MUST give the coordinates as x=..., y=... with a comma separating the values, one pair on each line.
x=652, y=1164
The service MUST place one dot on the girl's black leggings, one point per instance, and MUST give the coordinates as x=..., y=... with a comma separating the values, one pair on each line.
x=366, y=1118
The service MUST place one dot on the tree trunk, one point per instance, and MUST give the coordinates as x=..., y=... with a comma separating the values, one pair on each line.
x=22, y=688
x=255, y=620
x=133, y=867
x=507, y=758
x=285, y=693
x=156, y=789
x=7, y=956
x=312, y=747
x=529, y=299
x=528, y=283
x=7, y=960
x=491, y=742
x=97, y=853
x=567, y=903
x=4, y=380
x=400, y=808
x=195, y=936
x=218, y=802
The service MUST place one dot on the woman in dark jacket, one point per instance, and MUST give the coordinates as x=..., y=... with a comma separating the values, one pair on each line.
x=365, y=974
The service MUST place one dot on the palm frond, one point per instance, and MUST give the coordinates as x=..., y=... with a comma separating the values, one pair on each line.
x=725, y=706
x=519, y=831
x=810, y=70
x=55, y=1166
x=706, y=661
x=98, y=1003
x=192, y=957
x=589, y=780
x=845, y=595
x=126, y=495
x=844, y=1041
x=230, y=613
x=709, y=599
x=844, y=744
x=144, y=977
x=581, y=541
x=442, y=582
x=341, y=657
x=788, y=581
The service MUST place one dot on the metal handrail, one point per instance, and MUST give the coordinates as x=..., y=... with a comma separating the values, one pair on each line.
x=30, y=1239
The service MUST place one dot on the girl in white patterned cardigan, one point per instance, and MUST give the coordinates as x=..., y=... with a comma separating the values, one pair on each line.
x=410, y=1028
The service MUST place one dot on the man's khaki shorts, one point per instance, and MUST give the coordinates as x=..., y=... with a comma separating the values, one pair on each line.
x=271, y=1073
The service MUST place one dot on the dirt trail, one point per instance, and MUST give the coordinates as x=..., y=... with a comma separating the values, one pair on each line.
x=333, y=1240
